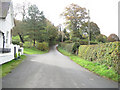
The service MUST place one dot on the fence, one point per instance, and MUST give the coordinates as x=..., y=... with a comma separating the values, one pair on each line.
x=8, y=54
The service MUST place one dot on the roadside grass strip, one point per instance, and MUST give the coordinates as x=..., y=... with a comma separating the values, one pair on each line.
x=33, y=51
x=101, y=70
x=9, y=66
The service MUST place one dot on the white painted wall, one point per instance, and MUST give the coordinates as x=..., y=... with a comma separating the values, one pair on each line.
x=10, y=56
x=6, y=26
x=6, y=57
x=1, y=40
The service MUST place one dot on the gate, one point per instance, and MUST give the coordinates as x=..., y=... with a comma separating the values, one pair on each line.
x=14, y=51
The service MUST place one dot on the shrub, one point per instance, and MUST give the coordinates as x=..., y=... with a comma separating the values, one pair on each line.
x=68, y=41
x=93, y=42
x=112, y=38
x=66, y=46
x=19, y=55
x=85, y=42
x=75, y=39
x=106, y=54
x=75, y=47
x=70, y=47
x=101, y=38
x=16, y=56
x=16, y=40
x=43, y=46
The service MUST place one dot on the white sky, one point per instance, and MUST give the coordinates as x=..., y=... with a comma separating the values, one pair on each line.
x=102, y=12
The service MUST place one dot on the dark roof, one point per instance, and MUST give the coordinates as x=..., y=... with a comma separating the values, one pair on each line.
x=4, y=7
x=1, y=31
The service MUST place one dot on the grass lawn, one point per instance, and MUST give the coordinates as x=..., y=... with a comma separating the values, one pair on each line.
x=33, y=51
x=7, y=67
x=101, y=70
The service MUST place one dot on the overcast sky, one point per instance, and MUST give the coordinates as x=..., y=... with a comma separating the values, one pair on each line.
x=102, y=12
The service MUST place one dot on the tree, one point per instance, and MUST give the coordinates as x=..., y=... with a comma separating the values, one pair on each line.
x=66, y=34
x=35, y=23
x=94, y=29
x=101, y=38
x=52, y=32
x=19, y=29
x=112, y=38
x=75, y=16
x=21, y=9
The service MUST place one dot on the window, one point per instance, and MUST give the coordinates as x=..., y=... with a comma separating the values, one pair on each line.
x=7, y=34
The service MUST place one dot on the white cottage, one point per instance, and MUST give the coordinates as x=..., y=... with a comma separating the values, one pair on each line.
x=6, y=23
x=7, y=49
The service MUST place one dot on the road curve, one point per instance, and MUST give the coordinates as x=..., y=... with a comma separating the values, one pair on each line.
x=53, y=70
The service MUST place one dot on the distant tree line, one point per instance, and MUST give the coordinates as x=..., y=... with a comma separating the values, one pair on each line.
x=35, y=27
x=77, y=22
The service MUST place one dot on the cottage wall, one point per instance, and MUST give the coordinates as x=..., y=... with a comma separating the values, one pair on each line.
x=6, y=26
x=1, y=40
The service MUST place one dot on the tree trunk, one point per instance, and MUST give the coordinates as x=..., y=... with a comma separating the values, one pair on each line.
x=34, y=43
x=21, y=38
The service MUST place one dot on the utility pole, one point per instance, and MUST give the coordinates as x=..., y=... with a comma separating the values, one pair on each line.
x=88, y=27
x=62, y=33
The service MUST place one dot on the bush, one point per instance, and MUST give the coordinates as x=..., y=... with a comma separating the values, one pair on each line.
x=70, y=47
x=85, y=42
x=66, y=46
x=16, y=40
x=68, y=41
x=106, y=54
x=75, y=47
x=75, y=39
x=43, y=46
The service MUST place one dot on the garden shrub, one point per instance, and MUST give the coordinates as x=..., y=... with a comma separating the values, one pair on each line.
x=106, y=53
x=44, y=46
x=16, y=40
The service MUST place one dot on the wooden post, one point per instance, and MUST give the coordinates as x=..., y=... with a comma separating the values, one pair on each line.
x=88, y=27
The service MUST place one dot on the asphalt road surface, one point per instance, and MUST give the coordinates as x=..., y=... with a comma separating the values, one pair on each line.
x=53, y=70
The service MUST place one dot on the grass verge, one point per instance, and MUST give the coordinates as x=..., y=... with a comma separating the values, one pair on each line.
x=95, y=67
x=8, y=67
x=33, y=51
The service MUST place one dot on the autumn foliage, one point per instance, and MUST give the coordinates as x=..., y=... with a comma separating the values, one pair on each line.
x=112, y=38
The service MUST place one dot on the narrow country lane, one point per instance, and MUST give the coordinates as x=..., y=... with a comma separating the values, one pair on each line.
x=53, y=70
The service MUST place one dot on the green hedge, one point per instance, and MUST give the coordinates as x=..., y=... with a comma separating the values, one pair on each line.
x=106, y=54
x=82, y=42
x=16, y=40
x=44, y=46
x=85, y=42
x=70, y=47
